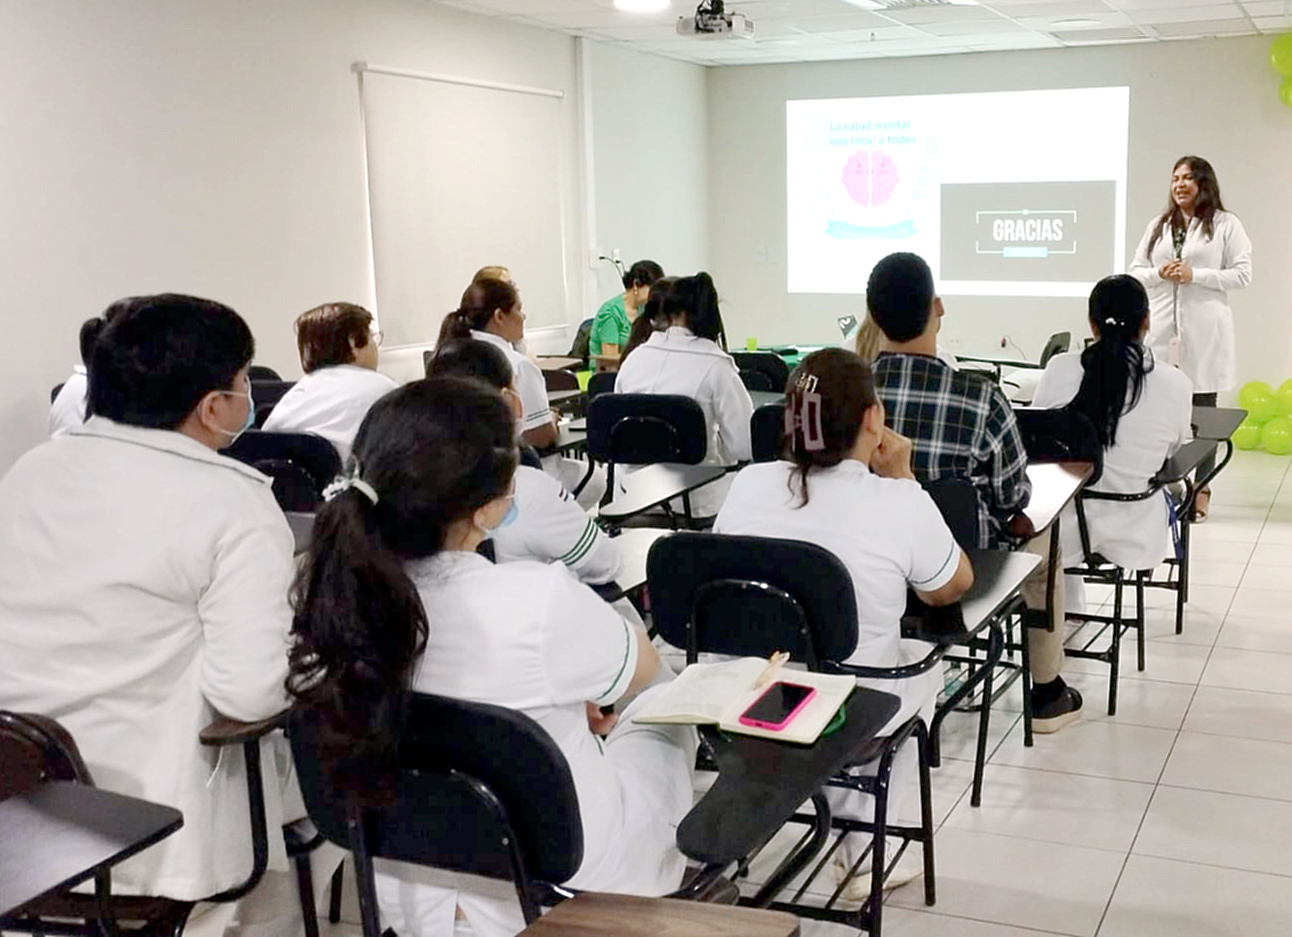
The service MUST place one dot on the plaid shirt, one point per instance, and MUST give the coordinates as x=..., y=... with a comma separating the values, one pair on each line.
x=959, y=424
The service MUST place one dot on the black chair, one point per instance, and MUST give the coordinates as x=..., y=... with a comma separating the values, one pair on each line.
x=579, y=346
x=266, y=395
x=258, y=372
x=600, y=383
x=53, y=394
x=1059, y=435
x=767, y=363
x=766, y=431
x=301, y=464
x=751, y=596
x=957, y=500
x=1058, y=344
x=756, y=380
x=560, y=380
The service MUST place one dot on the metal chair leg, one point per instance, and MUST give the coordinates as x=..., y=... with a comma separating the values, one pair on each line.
x=1139, y=618
x=334, y=901
x=926, y=813
x=1116, y=649
x=305, y=884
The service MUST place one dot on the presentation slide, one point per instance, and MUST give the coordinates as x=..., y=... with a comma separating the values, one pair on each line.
x=1017, y=193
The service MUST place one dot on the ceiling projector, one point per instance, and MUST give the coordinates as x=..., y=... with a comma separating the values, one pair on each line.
x=712, y=21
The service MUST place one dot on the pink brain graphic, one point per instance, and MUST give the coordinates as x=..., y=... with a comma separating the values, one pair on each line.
x=870, y=177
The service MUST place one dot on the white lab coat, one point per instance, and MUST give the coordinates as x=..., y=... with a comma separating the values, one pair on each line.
x=1220, y=263
x=330, y=402
x=1134, y=535
x=67, y=412
x=143, y=590
x=532, y=638
x=675, y=361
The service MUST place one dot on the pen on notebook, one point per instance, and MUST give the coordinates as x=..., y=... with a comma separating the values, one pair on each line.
x=774, y=664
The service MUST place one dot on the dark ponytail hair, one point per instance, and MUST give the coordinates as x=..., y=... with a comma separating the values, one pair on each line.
x=643, y=273
x=652, y=318
x=433, y=452
x=481, y=300
x=695, y=301
x=1115, y=364
x=91, y=329
x=1204, y=209
x=829, y=394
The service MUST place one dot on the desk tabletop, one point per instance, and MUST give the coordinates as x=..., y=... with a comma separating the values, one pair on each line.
x=1054, y=485
x=555, y=397
x=1187, y=458
x=1217, y=423
x=653, y=485
x=634, y=547
x=302, y=525
x=762, y=398
x=762, y=783
x=62, y=833
x=557, y=362
x=999, y=361
x=567, y=438
x=997, y=576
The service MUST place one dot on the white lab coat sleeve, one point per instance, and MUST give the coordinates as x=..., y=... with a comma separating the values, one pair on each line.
x=1046, y=394
x=246, y=620
x=1183, y=418
x=733, y=409
x=533, y=394
x=1236, y=261
x=1141, y=267
x=934, y=555
x=564, y=533
x=589, y=650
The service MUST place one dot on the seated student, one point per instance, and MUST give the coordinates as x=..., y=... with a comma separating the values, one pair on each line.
x=491, y=311
x=688, y=358
x=143, y=592
x=613, y=321
x=547, y=526
x=438, y=459
x=960, y=425
x=338, y=348
x=1142, y=413
x=67, y=411
x=845, y=483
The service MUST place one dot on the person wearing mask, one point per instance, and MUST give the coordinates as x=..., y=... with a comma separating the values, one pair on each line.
x=67, y=411
x=613, y=321
x=688, y=357
x=438, y=460
x=338, y=345
x=1190, y=258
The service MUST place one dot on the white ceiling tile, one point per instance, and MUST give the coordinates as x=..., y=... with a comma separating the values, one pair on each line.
x=1097, y=21
x=943, y=14
x=979, y=28
x=787, y=9
x=834, y=24
x=1085, y=36
x=646, y=33
x=1273, y=24
x=1067, y=8
x=1186, y=14
x=1233, y=27
x=888, y=32
x=1269, y=8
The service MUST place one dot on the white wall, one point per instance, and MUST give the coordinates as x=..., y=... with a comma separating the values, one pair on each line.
x=1215, y=98
x=651, y=152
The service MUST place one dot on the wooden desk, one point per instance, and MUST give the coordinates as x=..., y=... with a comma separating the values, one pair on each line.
x=595, y=915
x=61, y=834
x=602, y=363
x=1054, y=485
x=557, y=362
x=762, y=398
x=653, y=485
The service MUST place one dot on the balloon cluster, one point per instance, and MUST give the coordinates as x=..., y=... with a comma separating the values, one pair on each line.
x=1281, y=59
x=1267, y=424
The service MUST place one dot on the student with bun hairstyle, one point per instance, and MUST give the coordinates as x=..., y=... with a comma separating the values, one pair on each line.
x=613, y=322
x=67, y=412
x=688, y=357
x=844, y=482
x=393, y=597
x=338, y=348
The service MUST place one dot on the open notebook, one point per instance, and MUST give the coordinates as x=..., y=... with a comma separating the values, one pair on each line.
x=716, y=694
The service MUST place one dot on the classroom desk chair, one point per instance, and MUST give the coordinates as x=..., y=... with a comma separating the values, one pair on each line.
x=772, y=367
x=301, y=464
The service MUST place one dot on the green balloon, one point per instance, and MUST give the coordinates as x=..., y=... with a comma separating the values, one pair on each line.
x=1276, y=436
x=1281, y=55
x=1248, y=435
x=1257, y=398
x=1283, y=397
x=1285, y=92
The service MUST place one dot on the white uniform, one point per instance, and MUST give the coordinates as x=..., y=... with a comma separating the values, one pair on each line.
x=67, y=412
x=532, y=390
x=550, y=527
x=1133, y=535
x=675, y=361
x=1220, y=264
x=503, y=635
x=330, y=402
x=143, y=590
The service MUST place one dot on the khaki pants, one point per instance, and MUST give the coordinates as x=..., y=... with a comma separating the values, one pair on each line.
x=1045, y=648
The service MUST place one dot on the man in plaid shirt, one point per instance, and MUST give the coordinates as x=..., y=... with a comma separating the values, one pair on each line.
x=960, y=425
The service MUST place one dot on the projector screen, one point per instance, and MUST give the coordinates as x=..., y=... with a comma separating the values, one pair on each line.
x=1018, y=193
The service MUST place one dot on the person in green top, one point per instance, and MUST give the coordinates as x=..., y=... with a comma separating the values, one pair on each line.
x=614, y=319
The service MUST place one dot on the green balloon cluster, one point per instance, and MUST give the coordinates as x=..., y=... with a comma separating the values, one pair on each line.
x=1267, y=425
x=1281, y=59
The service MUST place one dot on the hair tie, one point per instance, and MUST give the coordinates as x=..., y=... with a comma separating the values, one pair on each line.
x=1110, y=321
x=343, y=483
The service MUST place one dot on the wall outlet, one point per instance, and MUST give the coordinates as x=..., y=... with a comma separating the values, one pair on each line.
x=594, y=258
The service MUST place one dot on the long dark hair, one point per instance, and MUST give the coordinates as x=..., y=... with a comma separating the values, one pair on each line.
x=1115, y=364
x=434, y=452
x=642, y=273
x=695, y=301
x=1204, y=209
x=652, y=318
x=829, y=394
x=480, y=301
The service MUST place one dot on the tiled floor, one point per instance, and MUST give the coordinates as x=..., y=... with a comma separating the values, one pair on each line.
x=1173, y=818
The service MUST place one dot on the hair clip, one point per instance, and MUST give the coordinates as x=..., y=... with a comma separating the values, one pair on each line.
x=807, y=418
x=343, y=483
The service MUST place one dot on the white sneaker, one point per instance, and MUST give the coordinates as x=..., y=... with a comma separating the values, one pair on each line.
x=858, y=890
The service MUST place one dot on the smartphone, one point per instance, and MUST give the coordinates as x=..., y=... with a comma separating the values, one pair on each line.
x=777, y=705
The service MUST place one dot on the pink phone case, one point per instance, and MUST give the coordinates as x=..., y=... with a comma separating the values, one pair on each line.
x=745, y=720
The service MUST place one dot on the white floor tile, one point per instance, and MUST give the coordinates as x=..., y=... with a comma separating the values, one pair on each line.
x=1201, y=625
x=950, y=782
x=1231, y=766
x=1248, y=833
x=1249, y=670
x=900, y=922
x=1274, y=578
x=1099, y=748
x=1204, y=550
x=1152, y=703
x=1254, y=633
x=1241, y=525
x=1216, y=573
x=959, y=737
x=1021, y=882
x=1241, y=714
x=1038, y=805
x=1165, y=898
x=1260, y=603
x=1244, y=492
x=1168, y=661
x=1272, y=554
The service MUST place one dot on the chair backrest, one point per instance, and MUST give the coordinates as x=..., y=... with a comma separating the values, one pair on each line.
x=469, y=775
x=313, y=454
x=603, y=382
x=53, y=394
x=294, y=487
x=765, y=362
x=269, y=392
x=560, y=380
x=643, y=429
x=957, y=499
x=756, y=380
x=751, y=596
x=582, y=336
x=35, y=749
x=1060, y=435
x=1059, y=343
x=766, y=429
x=258, y=372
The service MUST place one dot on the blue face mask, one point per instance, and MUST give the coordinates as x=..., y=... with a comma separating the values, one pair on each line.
x=510, y=517
x=249, y=422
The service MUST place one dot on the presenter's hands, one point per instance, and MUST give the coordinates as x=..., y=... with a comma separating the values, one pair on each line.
x=1177, y=271
x=600, y=723
x=892, y=457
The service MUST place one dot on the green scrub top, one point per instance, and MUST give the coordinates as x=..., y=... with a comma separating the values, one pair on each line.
x=610, y=327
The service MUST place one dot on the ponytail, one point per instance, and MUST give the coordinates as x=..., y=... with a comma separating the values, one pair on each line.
x=695, y=300
x=829, y=394
x=481, y=300
x=1115, y=365
x=653, y=317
